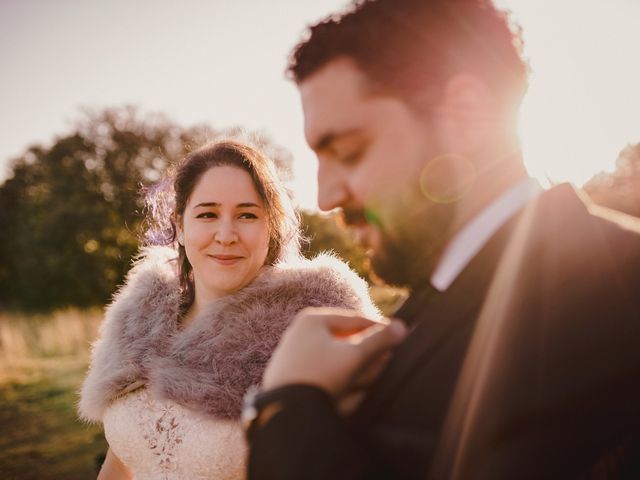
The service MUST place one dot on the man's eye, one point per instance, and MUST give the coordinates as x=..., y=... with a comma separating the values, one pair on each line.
x=352, y=157
x=207, y=215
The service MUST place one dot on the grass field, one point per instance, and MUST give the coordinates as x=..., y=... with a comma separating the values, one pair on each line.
x=43, y=360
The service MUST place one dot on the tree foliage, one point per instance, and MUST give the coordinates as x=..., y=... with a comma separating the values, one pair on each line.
x=619, y=190
x=325, y=232
x=70, y=213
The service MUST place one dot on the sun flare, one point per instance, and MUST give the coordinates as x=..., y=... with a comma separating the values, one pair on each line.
x=581, y=108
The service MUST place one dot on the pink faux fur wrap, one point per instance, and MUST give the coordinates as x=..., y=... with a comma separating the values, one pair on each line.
x=209, y=365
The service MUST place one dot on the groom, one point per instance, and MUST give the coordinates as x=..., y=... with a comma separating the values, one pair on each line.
x=518, y=354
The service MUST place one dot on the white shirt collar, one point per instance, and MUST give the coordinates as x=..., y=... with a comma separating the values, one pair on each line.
x=475, y=234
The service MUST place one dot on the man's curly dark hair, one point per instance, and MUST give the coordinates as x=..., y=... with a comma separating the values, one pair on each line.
x=404, y=46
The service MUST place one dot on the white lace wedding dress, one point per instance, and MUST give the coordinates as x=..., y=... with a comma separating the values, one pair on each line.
x=162, y=440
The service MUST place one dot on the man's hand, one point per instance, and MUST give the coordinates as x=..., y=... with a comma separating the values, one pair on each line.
x=336, y=350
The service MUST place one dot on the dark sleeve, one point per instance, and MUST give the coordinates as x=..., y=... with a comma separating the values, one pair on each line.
x=306, y=438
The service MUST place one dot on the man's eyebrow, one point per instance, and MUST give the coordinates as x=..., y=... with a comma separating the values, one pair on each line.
x=329, y=138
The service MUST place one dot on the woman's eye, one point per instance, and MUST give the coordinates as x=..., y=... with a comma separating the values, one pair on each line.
x=207, y=215
x=248, y=215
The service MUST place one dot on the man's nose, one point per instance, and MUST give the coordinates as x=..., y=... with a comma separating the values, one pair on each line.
x=332, y=187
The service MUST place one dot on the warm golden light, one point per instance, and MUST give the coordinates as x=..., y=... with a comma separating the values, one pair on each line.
x=582, y=106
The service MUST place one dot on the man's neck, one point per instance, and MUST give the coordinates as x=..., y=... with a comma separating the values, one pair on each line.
x=472, y=237
x=492, y=180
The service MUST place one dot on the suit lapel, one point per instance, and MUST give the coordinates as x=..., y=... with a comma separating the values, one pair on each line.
x=436, y=321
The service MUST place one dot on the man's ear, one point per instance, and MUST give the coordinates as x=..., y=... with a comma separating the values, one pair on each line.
x=467, y=114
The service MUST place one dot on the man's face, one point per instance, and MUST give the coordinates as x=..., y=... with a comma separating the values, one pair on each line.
x=372, y=152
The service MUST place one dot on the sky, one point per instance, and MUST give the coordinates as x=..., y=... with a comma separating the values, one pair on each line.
x=222, y=62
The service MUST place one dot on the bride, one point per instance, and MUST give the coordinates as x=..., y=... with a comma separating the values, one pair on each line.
x=198, y=318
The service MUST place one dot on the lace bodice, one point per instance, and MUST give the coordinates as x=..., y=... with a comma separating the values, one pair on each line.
x=162, y=440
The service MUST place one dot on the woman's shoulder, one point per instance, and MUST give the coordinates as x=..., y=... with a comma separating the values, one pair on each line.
x=323, y=281
x=319, y=272
x=137, y=320
x=152, y=279
x=152, y=265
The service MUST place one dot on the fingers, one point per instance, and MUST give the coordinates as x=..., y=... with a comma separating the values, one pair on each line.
x=371, y=370
x=349, y=403
x=339, y=322
x=313, y=351
x=376, y=340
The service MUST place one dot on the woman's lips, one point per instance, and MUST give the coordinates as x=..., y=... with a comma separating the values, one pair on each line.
x=226, y=259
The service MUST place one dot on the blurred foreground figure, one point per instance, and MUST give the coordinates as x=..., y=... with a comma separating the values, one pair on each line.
x=521, y=355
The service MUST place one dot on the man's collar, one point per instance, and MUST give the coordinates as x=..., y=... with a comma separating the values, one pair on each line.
x=475, y=234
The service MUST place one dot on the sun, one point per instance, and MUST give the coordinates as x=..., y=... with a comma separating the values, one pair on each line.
x=582, y=106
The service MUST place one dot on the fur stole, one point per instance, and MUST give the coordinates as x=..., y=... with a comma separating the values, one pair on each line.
x=210, y=364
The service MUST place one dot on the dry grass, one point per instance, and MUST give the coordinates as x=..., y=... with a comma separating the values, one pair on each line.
x=42, y=362
x=27, y=341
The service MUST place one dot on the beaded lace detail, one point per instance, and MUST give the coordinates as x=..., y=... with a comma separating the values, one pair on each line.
x=162, y=440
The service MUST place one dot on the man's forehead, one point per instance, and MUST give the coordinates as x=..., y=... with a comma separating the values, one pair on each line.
x=329, y=95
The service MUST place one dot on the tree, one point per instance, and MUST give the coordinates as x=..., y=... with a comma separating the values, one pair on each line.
x=619, y=190
x=325, y=232
x=72, y=211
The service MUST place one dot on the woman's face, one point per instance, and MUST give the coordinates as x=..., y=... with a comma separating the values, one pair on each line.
x=225, y=232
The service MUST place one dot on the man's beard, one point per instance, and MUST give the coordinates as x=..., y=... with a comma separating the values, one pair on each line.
x=409, y=257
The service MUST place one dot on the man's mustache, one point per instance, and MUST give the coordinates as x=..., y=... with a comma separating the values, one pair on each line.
x=354, y=216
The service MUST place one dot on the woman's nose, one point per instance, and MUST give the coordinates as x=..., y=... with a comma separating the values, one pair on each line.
x=226, y=233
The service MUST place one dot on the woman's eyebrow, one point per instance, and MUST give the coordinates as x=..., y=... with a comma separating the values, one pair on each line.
x=216, y=204
x=207, y=204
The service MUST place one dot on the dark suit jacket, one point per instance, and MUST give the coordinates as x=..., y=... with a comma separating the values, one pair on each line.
x=528, y=366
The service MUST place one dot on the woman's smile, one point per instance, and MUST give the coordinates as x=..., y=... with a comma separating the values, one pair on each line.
x=226, y=259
